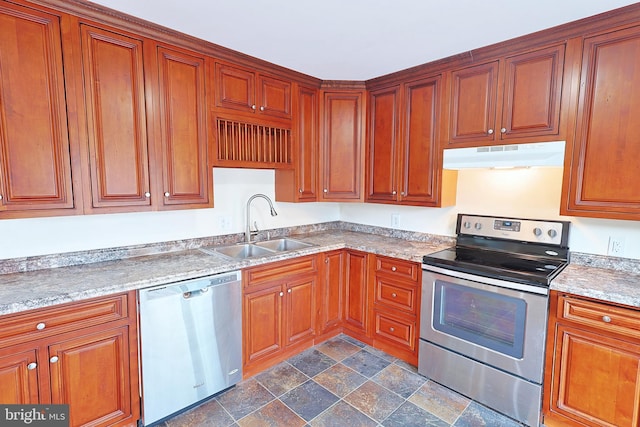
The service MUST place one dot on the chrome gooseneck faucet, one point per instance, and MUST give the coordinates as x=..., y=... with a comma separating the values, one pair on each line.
x=248, y=233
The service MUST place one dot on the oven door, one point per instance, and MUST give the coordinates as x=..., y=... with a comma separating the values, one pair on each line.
x=501, y=327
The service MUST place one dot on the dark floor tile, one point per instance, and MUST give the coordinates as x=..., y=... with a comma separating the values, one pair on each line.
x=352, y=340
x=340, y=380
x=338, y=349
x=342, y=414
x=274, y=414
x=281, y=378
x=209, y=414
x=440, y=401
x=410, y=415
x=309, y=399
x=381, y=354
x=477, y=415
x=311, y=362
x=374, y=400
x=366, y=363
x=399, y=380
x=245, y=398
x=407, y=366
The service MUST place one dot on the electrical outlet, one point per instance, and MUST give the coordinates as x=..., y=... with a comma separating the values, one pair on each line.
x=616, y=246
x=395, y=220
x=224, y=222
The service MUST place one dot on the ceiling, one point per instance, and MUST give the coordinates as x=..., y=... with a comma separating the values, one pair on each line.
x=358, y=39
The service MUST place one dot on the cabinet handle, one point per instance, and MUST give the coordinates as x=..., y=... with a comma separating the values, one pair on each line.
x=281, y=294
x=393, y=268
x=262, y=108
x=54, y=359
x=606, y=319
x=391, y=329
x=394, y=295
x=253, y=107
x=490, y=131
x=147, y=194
x=503, y=130
x=40, y=326
x=31, y=366
x=167, y=194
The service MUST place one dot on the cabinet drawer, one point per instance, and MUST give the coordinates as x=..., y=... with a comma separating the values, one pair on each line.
x=398, y=268
x=63, y=318
x=274, y=271
x=396, y=295
x=396, y=329
x=605, y=317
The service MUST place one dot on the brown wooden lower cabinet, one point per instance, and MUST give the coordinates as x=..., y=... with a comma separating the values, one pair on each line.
x=592, y=375
x=92, y=368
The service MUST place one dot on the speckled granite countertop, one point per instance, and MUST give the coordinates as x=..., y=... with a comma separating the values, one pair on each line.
x=591, y=276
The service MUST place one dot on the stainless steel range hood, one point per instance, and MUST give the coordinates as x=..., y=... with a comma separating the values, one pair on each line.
x=505, y=156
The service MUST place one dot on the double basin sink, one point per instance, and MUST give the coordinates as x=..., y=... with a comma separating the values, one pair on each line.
x=257, y=249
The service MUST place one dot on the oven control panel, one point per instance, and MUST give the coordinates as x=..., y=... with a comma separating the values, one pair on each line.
x=522, y=230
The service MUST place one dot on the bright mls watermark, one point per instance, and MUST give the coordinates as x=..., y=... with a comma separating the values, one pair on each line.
x=34, y=415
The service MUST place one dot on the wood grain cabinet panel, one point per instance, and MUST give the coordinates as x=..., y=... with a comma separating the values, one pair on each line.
x=19, y=378
x=357, y=294
x=35, y=160
x=262, y=323
x=301, y=309
x=331, y=290
x=116, y=115
x=602, y=179
x=186, y=177
x=382, y=184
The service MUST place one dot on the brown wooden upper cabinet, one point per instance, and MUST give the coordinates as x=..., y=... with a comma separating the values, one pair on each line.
x=602, y=178
x=404, y=164
x=251, y=92
x=341, y=146
x=508, y=100
x=35, y=162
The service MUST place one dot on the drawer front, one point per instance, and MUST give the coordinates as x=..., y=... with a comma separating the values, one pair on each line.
x=274, y=271
x=605, y=317
x=398, y=268
x=395, y=295
x=395, y=329
x=63, y=318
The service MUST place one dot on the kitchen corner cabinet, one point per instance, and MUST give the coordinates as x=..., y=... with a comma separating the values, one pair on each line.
x=342, y=146
x=35, y=159
x=300, y=184
x=404, y=162
x=251, y=92
x=592, y=374
x=279, y=317
x=601, y=178
x=508, y=100
x=331, y=288
x=357, y=296
x=83, y=354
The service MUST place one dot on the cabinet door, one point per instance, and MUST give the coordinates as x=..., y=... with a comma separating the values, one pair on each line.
x=235, y=88
x=93, y=375
x=356, y=313
x=331, y=294
x=185, y=172
x=19, y=377
x=383, y=139
x=275, y=97
x=35, y=165
x=532, y=92
x=595, y=380
x=420, y=164
x=342, y=146
x=262, y=320
x=473, y=103
x=300, y=315
x=115, y=98
x=604, y=168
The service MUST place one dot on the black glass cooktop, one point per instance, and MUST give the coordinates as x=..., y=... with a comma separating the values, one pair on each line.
x=537, y=271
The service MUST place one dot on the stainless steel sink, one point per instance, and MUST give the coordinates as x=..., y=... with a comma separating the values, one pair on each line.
x=283, y=245
x=239, y=251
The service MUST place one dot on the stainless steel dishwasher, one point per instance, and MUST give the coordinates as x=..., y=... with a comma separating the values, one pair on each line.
x=190, y=342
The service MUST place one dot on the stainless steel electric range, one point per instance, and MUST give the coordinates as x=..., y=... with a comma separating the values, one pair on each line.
x=485, y=308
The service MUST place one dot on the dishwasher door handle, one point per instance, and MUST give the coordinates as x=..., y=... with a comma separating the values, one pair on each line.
x=194, y=293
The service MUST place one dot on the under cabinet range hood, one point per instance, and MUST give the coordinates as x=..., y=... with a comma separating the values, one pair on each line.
x=505, y=156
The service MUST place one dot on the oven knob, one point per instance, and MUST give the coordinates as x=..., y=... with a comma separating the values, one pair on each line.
x=467, y=224
x=552, y=233
x=537, y=231
x=478, y=225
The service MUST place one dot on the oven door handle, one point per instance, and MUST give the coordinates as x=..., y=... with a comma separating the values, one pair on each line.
x=487, y=280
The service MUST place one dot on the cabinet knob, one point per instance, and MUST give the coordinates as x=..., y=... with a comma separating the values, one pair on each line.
x=31, y=366
x=326, y=260
x=606, y=319
x=490, y=131
x=40, y=326
x=503, y=130
x=281, y=294
x=393, y=268
x=325, y=190
x=403, y=193
x=393, y=192
x=391, y=329
x=253, y=107
x=394, y=295
x=167, y=194
x=300, y=190
x=262, y=108
x=147, y=194
x=54, y=359
x=0, y=196
x=288, y=291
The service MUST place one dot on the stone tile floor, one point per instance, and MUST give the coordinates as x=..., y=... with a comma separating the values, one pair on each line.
x=340, y=382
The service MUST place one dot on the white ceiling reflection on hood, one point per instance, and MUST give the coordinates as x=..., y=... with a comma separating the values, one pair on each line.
x=505, y=156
